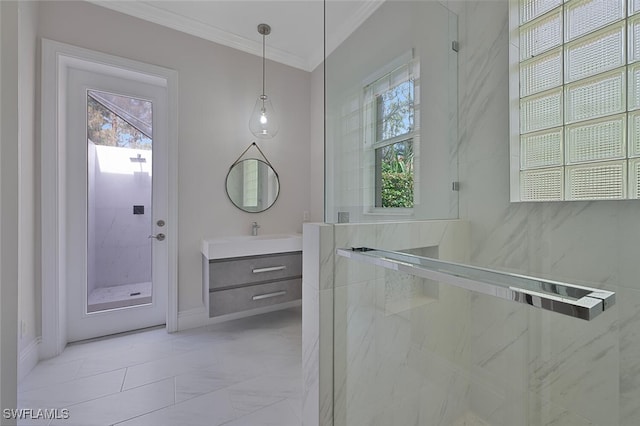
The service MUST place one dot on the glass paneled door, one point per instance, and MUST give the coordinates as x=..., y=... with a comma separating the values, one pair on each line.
x=119, y=208
x=117, y=203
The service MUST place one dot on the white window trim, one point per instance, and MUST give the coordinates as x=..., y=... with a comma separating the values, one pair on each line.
x=514, y=101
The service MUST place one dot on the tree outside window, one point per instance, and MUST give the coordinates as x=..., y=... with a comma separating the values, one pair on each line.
x=120, y=121
x=394, y=169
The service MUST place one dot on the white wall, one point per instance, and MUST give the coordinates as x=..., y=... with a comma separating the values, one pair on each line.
x=583, y=371
x=217, y=91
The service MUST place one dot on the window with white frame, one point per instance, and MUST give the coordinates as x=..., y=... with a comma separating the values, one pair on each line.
x=391, y=123
x=577, y=133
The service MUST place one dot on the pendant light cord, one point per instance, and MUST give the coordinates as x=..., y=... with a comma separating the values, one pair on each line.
x=263, y=68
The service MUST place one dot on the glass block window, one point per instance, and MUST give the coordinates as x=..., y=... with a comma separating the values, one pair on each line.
x=578, y=126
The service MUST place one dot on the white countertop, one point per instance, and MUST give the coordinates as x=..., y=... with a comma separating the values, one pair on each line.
x=246, y=245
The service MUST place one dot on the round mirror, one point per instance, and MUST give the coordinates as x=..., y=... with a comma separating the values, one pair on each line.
x=252, y=185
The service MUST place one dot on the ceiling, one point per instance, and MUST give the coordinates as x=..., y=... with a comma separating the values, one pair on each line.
x=296, y=37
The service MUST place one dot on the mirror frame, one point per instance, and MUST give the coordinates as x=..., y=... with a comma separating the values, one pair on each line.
x=226, y=184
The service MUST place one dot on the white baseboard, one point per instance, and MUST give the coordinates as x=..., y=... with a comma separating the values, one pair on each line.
x=192, y=318
x=199, y=317
x=28, y=358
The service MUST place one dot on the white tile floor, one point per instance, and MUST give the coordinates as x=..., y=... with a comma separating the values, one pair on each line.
x=245, y=372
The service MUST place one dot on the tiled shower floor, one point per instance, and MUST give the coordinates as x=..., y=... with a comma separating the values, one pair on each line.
x=119, y=296
x=245, y=372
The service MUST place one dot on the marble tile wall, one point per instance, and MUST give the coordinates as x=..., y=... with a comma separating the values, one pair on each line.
x=532, y=367
x=121, y=252
x=317, y=324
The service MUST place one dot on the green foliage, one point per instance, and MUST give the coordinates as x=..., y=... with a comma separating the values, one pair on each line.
x=397, y=175
x=397, y=190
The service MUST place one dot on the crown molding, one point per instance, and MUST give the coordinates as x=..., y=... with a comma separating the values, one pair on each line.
x=151, y=13
x=148, y=12
x=343, y=32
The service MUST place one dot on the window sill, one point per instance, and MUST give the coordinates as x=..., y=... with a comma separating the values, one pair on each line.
x=389, y=212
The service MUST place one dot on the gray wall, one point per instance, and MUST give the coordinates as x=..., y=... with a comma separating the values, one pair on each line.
x=8, y=194
x=28, y=178
x=316, y=165
x=20, y=256
x=217, y=91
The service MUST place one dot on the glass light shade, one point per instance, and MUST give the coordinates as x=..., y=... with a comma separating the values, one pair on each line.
x=263, y=123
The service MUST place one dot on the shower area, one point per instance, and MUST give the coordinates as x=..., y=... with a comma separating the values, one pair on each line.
x=119, y=186
x=429, y=297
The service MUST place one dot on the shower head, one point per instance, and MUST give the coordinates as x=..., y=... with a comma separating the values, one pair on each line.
x=138, y=159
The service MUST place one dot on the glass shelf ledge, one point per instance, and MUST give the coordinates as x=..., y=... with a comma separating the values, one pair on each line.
x=568, y=299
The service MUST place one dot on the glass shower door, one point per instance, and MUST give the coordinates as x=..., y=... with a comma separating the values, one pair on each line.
x=391, y=113
x=409, y=350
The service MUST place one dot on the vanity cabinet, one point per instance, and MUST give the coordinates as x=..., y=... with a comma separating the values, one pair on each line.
x=248, y=275
x=245, y=283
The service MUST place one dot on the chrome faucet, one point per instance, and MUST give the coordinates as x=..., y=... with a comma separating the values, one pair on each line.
x=254, y=228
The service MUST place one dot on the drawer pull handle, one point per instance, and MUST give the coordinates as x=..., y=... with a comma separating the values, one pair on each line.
x=268, y=295
x=270, y=269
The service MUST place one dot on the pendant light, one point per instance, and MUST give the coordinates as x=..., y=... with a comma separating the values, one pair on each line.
x=263, y=123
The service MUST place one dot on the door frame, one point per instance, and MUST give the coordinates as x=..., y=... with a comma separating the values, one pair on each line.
x=57, y=58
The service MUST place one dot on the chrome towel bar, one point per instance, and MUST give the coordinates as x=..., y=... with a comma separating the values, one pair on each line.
x=568, y=299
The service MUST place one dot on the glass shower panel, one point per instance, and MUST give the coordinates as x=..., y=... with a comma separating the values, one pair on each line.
x=119, y=177
x=411, y=351
x=402, y=46
x=400, y=348
x=408, y=350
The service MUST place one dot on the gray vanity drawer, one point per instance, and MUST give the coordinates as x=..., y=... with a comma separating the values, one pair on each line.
x=224, y=302
x=254, y=269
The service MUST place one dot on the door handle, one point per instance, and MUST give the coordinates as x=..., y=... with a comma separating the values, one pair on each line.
x=159, y=237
